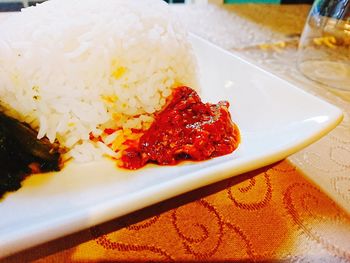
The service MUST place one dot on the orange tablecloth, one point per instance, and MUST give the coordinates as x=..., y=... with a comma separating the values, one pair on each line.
x=274, y=213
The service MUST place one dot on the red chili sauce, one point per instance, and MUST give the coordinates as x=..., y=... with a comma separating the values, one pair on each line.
x=185, y=129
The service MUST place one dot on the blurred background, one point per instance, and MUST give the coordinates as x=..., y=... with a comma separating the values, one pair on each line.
x=16, y=5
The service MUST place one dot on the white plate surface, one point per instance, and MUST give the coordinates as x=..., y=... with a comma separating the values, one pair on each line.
x=276, y=119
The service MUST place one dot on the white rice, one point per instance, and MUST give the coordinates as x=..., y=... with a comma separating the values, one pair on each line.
x=71, y=68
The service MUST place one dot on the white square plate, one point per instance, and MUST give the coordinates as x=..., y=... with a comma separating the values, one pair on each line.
x=276, y=119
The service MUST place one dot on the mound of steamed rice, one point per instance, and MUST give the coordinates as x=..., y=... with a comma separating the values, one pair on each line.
x=72, y=68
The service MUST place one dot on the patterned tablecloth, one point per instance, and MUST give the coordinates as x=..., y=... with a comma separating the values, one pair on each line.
x=295, y=210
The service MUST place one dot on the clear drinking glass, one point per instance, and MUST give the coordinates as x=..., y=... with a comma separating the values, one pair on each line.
x=324, y=48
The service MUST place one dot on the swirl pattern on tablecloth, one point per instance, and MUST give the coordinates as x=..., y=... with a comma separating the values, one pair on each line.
x=262, y=198
x=107, y=243
x=320, y=219
x=341, y=184
x=195, y=235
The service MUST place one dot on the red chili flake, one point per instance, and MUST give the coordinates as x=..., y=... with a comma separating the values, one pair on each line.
x=109, y=131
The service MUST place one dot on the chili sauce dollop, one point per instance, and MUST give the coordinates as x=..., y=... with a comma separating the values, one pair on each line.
x=186, y=128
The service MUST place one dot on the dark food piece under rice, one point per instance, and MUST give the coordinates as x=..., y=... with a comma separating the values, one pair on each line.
x=21, y=154
x=185, y=129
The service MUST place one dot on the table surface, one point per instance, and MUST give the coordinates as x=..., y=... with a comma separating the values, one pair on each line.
x=295, y=210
